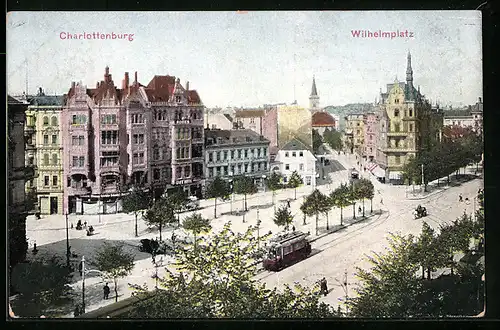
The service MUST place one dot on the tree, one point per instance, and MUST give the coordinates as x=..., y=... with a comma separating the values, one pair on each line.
x=218, y=188
x=217, y=281
x=315, y=204
x=160, y=214
x=365, y=189
x=196, y=224
x=114, y=262
x=178, y=199
x=245, y=186
x=42, y=287
x=283, y=217
x=355, y=194
x=431, y=254
x=274, y=183
x=294, y=182
x=341, y=198
x=389, y=288
x=317, y=141
x=333, y=139
x=135, y=202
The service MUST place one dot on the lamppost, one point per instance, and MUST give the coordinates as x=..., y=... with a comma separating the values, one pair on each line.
x=232, y=194
x=258, y=233
x=83, y=281
x=264, y=182
x=344, y=286
x=423, y=181
x=68, y=252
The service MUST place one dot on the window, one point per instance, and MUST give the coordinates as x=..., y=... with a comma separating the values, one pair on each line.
x=265, y=152
x=78, y=119
x=301, y=167
x=54, y=139
x=308, y=180
x=411, y=113
x=138, y=158
x=210, y=157
x=54, y=121
x=137, y=118
x=246, y=153
x=109, y=158
x=178, y=99
x=232, y=154
x=31, y=161
x=54, y=159
x=156, y=154
x=108, y=119
x=54, y=180
x=45, y=121
x=301, y=154
x=396, y=113
x=109, y=137
x=252, y=120
x=286, y=154
x=187, y=171
x=137, y=138
x=78, y=161
x=396, y=127
x=397, y=101
x=239, y=153
x=46, y=180
x=294, y=154
x=225, y=155
x=217, y=156
x=156, y=174
x=45, y=139
x=287, y=166
x=411, y=128
x=46, y=159
x=398, y=160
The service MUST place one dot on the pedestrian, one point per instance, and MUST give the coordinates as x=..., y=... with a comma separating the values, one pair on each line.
x=72, y=225
x=359, y=209
x=460, y=198
x=106, y=291
x=324, y=287
x=35, y=250
x=381, y=201
x=85, y=224
x=80, y=268
x=288, y=203
x=293, y=228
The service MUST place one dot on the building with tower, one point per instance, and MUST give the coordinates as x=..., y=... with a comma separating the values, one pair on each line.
x=314, y=98
x=411, y=125
x=320, y=119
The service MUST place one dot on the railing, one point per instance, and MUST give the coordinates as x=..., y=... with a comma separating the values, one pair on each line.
x=393, y=133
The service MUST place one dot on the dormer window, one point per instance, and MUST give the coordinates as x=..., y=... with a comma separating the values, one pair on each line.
x=178, y=99
x=396, y=113
x=286, y=154
x=396, y=101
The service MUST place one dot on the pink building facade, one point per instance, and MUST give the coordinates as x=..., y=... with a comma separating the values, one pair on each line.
x=370, y=138
x=150, y=136
x=270, y=130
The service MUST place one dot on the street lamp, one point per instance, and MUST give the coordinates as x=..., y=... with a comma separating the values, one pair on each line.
x=83, y=281
x=344, y=286
x=68, y=252
x=232, y=194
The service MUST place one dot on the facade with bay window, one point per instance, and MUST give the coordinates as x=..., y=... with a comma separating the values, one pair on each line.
x=146, y=136
x=230, y=153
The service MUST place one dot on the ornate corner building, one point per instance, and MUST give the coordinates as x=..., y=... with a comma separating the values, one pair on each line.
x=114, y=138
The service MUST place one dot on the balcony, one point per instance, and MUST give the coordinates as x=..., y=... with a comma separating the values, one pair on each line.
x=79, y=190
x=111, y=168
x=197, y=140
x=109, y=147
x=183, y=121
x=400, y=149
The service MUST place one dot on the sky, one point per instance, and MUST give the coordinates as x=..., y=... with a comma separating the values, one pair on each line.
x=253, y=58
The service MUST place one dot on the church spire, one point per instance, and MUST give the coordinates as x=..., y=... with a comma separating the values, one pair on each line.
x=314, y=98
x=314, y=91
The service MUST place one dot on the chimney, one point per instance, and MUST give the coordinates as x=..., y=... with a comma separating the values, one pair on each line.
x=187, y=85
x=135, y=80
x=480, y=100
x=73, y=85
x=40, y=92
x=97, y=85
x=106, y=70
x=126, y=80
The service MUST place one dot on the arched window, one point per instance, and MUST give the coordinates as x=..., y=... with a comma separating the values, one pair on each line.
x=54, y=159
x=45, y=121
x=46, y=159
x=396, y=113
x=54, y=121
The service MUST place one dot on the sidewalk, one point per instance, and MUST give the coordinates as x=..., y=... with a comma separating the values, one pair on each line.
x=433, y=188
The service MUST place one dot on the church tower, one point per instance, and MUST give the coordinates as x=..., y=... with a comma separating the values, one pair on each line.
x=314, y=98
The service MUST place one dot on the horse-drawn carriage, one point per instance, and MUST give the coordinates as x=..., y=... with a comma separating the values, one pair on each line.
x=420, y=212
x=152, y=245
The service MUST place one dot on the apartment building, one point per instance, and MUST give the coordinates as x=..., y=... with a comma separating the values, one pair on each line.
x=231, y=153
x=137, y=135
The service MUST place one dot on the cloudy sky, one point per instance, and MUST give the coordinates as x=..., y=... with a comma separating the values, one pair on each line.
x=254, y=58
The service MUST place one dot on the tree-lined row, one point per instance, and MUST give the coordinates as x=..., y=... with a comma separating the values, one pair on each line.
x=400, y=283
x=318, y=203
x=444, y=159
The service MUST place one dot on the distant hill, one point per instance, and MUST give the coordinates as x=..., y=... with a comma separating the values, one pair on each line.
x=344, y=110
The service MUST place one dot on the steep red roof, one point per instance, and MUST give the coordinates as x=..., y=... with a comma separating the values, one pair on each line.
x=193, y=97
x=323, y=119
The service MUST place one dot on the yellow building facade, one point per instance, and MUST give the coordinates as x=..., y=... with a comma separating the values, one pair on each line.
x=294, y=122
x=44, y=149
x=354, y=133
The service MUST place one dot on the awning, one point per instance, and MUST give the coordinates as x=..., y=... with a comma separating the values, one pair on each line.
x=395, y=175
x=378, y=172
x=371, y=166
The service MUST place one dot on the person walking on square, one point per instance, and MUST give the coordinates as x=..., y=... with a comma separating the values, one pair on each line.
x=288, y=203
x=106, y=291
x=460, y=198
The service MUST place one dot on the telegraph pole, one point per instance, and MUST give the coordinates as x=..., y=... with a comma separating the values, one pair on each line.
x=423, y=180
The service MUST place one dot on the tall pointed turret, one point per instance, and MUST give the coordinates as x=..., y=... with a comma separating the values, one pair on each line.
x=409, y=71
x=314, y=98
